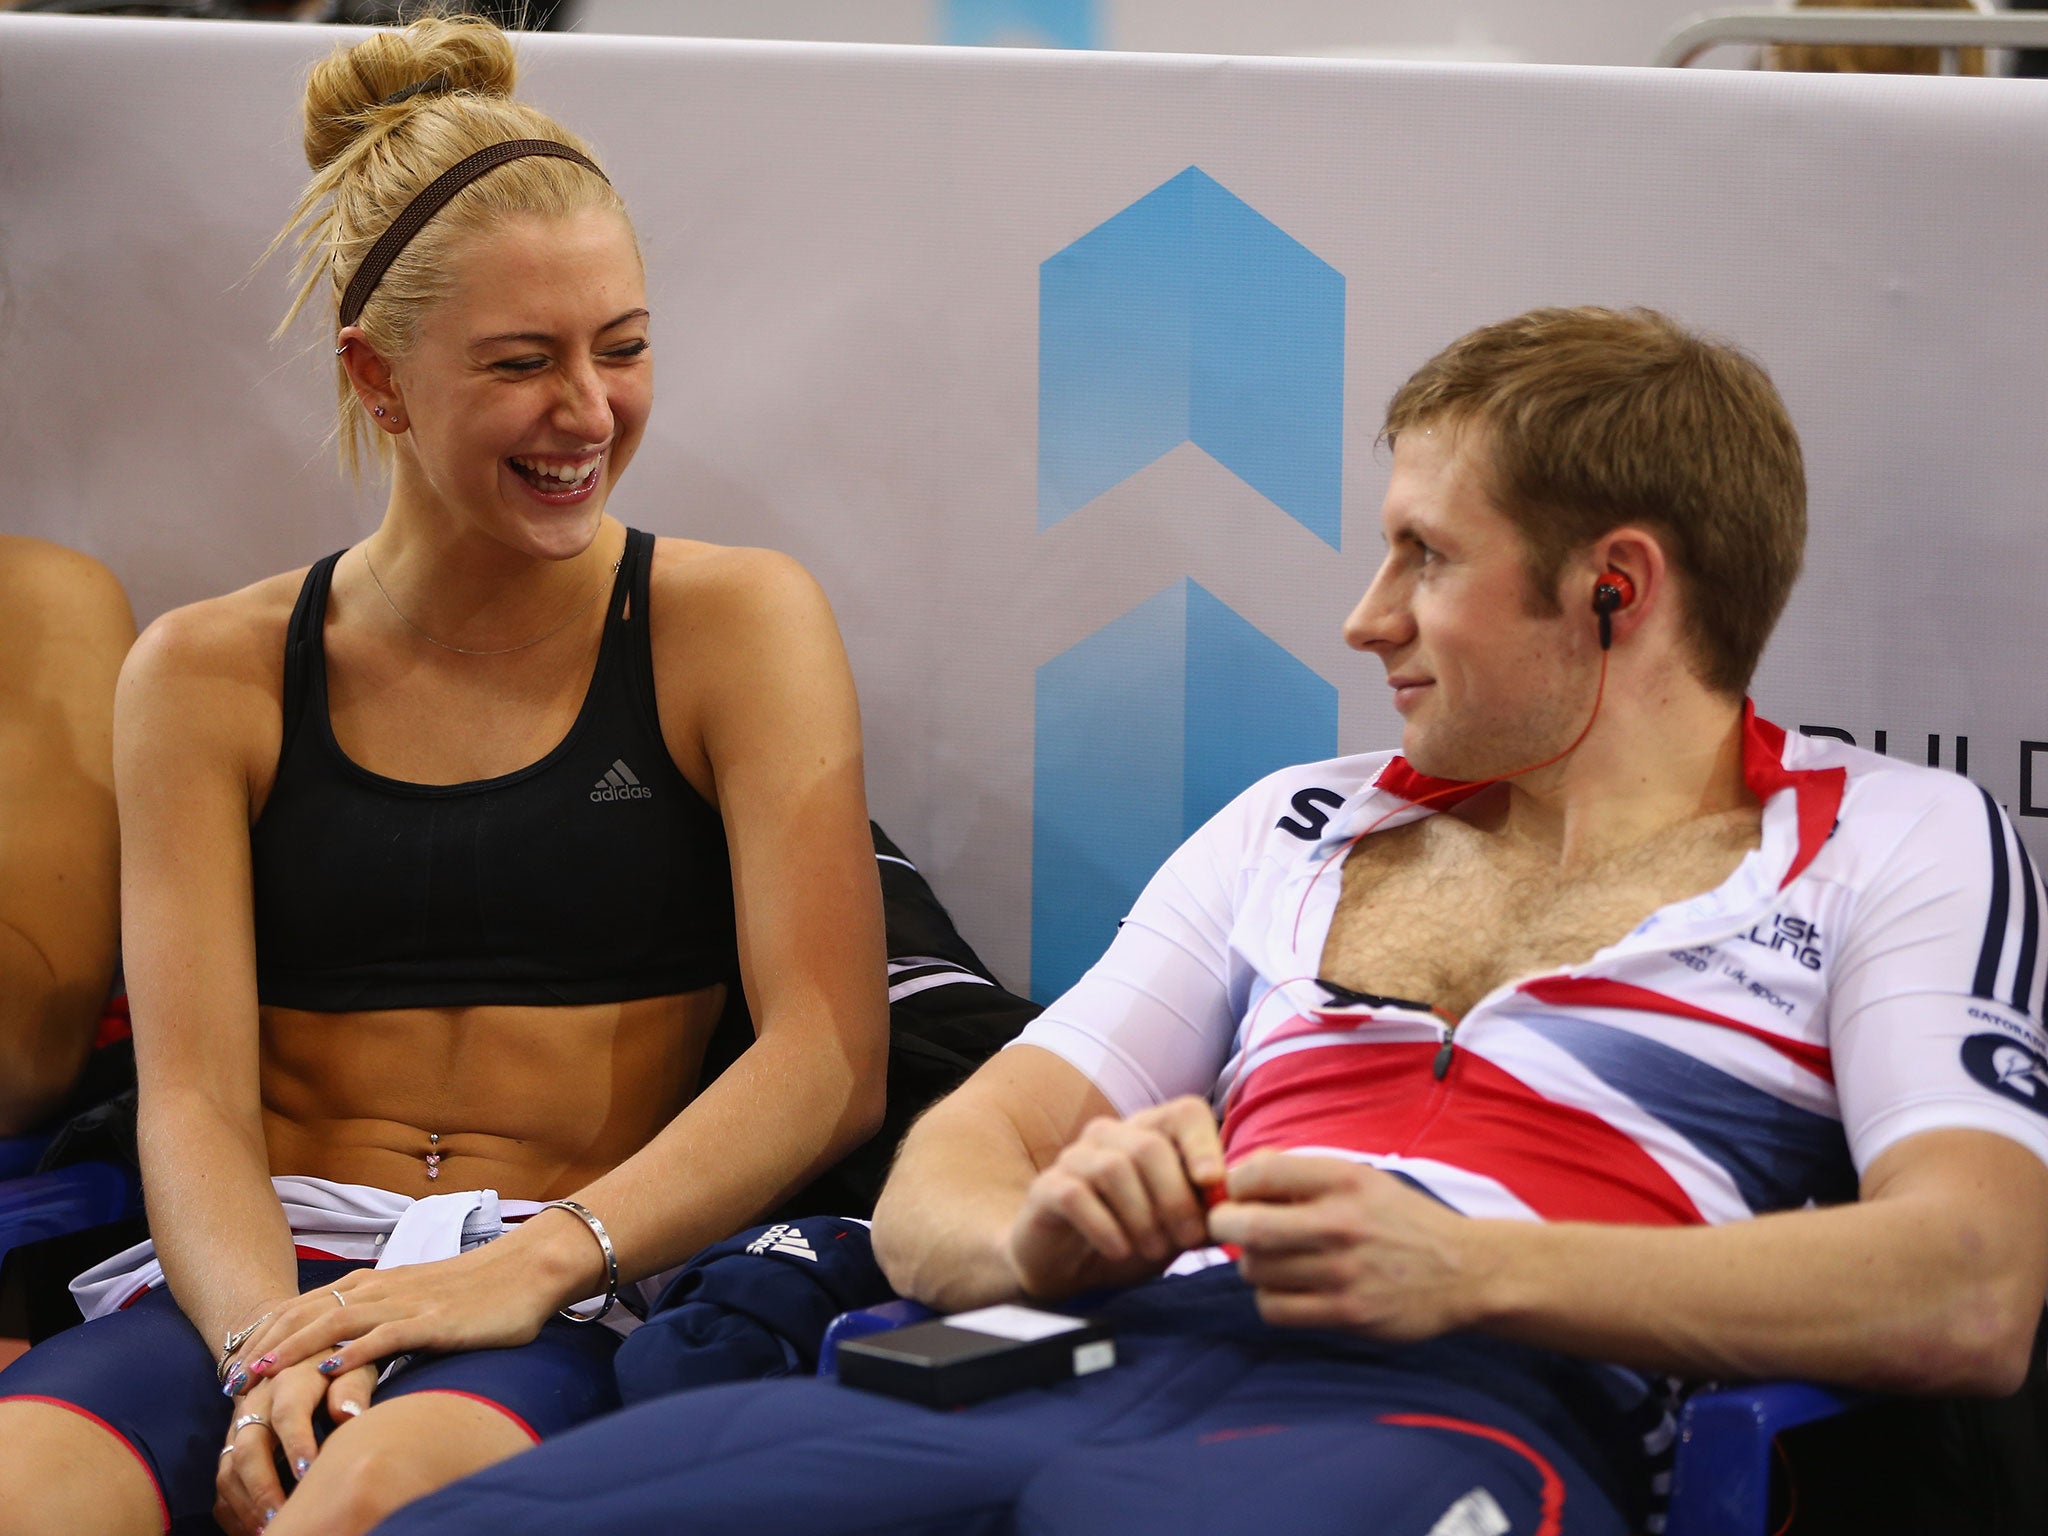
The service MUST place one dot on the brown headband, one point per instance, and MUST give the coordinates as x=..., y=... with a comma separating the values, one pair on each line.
x=435, y=196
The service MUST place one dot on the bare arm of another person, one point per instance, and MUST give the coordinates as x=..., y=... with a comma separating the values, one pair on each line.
x=64, y=627
x=748, y=653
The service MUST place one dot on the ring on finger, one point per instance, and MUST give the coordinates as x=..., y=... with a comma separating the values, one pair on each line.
x=243, y=1423
x=339, y=1299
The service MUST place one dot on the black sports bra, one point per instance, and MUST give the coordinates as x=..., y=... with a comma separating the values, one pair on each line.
x=592, y=876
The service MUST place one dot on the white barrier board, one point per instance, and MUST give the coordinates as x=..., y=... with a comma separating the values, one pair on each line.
x=916, y=311
x=1496, y=31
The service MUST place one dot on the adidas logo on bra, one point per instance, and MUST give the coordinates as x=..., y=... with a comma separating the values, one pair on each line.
x=618, y=783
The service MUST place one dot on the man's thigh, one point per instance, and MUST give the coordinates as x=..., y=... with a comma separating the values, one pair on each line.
x=1323, y=1448
x=1189, y=1434
x=808, y=1456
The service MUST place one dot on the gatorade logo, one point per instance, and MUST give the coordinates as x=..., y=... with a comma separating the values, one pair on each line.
x=2007, y=1068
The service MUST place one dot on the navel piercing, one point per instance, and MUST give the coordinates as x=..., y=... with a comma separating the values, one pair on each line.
x=433, y=1155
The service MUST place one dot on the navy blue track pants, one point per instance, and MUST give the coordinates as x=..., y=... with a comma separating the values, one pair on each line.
x=1211, y=1422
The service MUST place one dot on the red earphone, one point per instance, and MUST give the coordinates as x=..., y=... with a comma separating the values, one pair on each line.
x=1612, y=593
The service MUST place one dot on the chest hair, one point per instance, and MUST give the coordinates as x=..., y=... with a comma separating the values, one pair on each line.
x=1442, y=913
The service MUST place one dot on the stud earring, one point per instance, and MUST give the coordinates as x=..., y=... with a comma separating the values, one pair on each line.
x=377, y=411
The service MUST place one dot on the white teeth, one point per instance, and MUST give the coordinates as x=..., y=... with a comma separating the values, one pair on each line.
x=568, y=474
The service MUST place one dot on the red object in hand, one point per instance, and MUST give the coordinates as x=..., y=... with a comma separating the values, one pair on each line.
x=1212, y=1196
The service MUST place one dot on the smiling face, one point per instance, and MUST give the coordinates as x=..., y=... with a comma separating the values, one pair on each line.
x=1486, y=681
x=528, y=387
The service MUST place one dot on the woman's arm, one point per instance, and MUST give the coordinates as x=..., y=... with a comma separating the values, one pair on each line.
x=750, y=664
x=64, y=627
x=190, y=718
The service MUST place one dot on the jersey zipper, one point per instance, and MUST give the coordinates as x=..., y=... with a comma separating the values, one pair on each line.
x=1439, y=1089
x=1442, y=1064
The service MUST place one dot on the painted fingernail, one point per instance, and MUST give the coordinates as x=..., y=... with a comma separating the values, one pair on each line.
x=232, y=1387
x=263, y=1363
x=351, y=1407
x=330, y=1365
x=301, y=1465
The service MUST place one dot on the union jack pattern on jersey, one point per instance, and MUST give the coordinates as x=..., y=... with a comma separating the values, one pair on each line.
x=1871, y=970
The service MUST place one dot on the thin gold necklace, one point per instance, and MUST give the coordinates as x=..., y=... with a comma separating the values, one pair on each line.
x=463, y=650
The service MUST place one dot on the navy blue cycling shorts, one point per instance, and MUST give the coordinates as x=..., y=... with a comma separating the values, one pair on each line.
x=1210, y=1422
x=145, y=1374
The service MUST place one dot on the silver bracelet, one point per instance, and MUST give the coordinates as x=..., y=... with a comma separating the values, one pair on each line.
x=611, y=1259
x=233, y=1342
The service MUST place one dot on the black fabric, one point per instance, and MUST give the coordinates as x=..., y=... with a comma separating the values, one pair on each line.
x=597, y=874
x=938, y=1034
x=98, y=1126
x=1912, y=1466
x=752, y=1307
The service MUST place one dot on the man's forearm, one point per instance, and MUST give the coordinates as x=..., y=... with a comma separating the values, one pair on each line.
x=942, y=1223
x=1914, y=1294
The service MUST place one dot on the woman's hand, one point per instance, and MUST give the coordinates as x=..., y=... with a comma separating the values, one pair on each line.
x=489, y=1298
x=249, y=1490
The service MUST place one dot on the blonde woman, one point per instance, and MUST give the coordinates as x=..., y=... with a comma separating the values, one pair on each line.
x=441, y=859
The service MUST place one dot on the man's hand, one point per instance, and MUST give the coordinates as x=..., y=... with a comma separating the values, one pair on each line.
x=1334, y=1244
x=1119, y=1202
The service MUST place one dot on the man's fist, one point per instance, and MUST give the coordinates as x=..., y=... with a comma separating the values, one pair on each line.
x=1334, y=1244
x=1119, y=1202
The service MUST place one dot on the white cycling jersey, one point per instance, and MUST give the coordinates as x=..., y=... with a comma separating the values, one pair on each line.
x=1871, y=970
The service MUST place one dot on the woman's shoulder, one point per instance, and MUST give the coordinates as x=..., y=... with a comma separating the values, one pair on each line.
x=238, y=636
x=695, y=581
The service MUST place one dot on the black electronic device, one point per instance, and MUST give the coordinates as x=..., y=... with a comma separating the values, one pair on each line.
x=951, y=1361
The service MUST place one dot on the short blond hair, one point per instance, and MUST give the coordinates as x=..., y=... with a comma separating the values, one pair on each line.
x=371, y=155
x=1595, y=418
x=1867, y=58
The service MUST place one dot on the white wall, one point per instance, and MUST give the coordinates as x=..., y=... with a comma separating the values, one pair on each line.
x=845, y=250
x=1529, y=31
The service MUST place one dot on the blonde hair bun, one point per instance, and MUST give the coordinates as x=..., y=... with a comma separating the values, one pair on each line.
x=372, y=156
x=347, y=95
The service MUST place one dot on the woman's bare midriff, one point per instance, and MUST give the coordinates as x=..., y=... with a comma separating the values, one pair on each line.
x=533, y=1102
